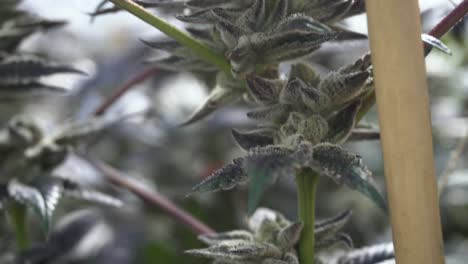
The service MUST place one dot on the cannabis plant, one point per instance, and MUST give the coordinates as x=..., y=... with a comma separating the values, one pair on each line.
x=30, y=153
x=301, y=120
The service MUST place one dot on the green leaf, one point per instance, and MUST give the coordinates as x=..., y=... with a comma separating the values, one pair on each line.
x=31, y=197
x=197, y=47
x=264, y=165
x=346, y=168
x=225, y=178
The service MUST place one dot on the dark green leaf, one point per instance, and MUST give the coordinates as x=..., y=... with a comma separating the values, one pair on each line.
x=225, y=178
x=264, y=165
x=346, y=168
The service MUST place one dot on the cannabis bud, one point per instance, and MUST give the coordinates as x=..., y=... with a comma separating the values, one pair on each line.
x=271, y=238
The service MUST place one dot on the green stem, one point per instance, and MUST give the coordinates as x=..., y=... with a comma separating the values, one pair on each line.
x=307, y=181
x=183, y=38
x=17, y=213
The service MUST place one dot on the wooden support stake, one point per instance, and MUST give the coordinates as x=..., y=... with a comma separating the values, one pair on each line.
x=403, y=106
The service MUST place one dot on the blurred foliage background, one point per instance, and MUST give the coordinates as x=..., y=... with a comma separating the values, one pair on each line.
x=169, y=160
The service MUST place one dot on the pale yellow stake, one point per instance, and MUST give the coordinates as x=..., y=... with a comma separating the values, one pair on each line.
x=403, y=106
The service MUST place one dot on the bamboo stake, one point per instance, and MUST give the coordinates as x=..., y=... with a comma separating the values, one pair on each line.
x=403, y=106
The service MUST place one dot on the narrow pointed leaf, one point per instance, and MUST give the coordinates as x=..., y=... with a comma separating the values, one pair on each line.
x=346, y=168
x=368, y=255
x=364, y=134
x=435, y=43
x=22, y=69
x=212, y=239
x=237, y=250
x=225, y=178
x=331, y=226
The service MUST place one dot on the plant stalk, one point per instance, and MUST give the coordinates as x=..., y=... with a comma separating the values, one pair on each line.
x=306, y=181
x=158, y=201
x=17, y=214
x=183, y=38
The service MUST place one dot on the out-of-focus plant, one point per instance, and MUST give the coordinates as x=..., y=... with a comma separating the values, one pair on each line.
x=30, y=153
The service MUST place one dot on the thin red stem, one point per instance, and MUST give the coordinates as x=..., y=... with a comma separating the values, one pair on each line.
x=155, y=199
x=122, y=90
x=449, y=21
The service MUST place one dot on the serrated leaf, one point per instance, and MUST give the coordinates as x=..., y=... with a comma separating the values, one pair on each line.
x=346, y=168
x=251, y=139
x=24, y=69
x=225, y=178
x=367, y=255
x=237, y=250
x=435, y=43
x=264, y=165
